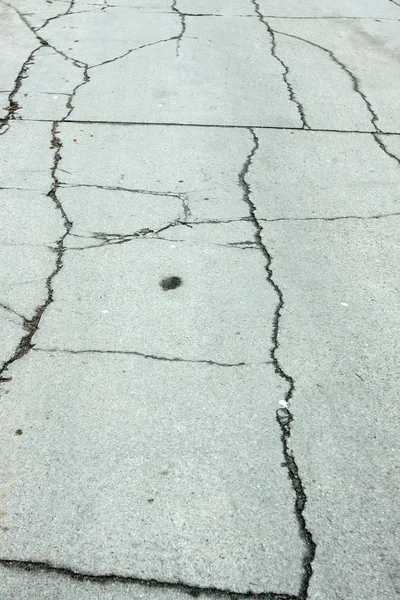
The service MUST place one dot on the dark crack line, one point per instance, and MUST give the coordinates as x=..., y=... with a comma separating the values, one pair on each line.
x=285, y=74
x=182, y=17
x=384, y=149
x=11, y=310
x=111, y=60
x=339, y=218
x=31, y=325
x=22, y=73
x=213, y=126
x=117, y=188
x=64, y=14
x=44, y=42
x=142, y=354
x=192, y=590
x=13, y=106
x=85, y=80
x=283, y=415
x=354, y=80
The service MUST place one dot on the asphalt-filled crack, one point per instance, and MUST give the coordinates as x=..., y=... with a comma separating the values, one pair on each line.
x=354, y=80
x=283, y=415
x=191, y=590
x=285, y=74
x=142, y=354
x=182, y=17
x=31, y=325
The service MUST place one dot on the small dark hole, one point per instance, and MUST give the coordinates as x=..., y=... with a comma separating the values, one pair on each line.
x=18, y=432
x=170, y=283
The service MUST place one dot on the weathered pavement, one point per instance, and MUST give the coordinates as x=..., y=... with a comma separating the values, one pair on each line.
x=235, y=436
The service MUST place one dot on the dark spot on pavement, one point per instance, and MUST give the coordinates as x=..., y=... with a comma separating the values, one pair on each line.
x=170, y=283
x=18, y=432
x=150, y=500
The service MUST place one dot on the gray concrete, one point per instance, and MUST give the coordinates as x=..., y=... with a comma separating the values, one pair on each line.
x=199, y=249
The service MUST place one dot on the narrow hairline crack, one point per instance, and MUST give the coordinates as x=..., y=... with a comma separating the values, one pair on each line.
x=285, y=74
x=338, y=218
x=109, y=578
x=283, y=415
x=142, y=354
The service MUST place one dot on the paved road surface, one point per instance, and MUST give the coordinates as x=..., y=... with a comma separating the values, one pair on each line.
x=199, y=299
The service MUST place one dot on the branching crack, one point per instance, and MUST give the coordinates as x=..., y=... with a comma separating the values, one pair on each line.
x=283, y=415
x=182, y=17
x=31, y=325
x=285, y=68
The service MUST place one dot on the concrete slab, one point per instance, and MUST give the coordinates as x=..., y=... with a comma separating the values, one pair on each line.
x=374, y=9
x=29, y=217
x=369, y=50
x=316, y=175
x=37, y=13
x=219, y=7
x=101, y=36
x=111, y=298
x=45, y=92
x=99, y=214
x=23, y=41
x=340, y=288
x=26, y=157
x=223, y=73
x=127, y=449
x=201, y=163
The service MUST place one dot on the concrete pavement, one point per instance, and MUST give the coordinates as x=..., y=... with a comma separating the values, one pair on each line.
x=199, y=249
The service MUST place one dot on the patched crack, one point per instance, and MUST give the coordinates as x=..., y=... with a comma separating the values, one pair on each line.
x=285, y=74
x=191, y=590
x=354, y=80
x=32, y=325
x=283, y=415
x=142, y=354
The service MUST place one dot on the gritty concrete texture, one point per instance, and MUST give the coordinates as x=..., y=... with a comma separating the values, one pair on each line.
x=199, y=471
x=239, y=82
x=98, y=311
x=350, y=176
x=199, y=249
x=199, y=164
x=337, y=340
x=366, y=52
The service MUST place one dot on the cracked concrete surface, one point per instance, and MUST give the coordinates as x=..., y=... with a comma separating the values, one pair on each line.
x=199, y=241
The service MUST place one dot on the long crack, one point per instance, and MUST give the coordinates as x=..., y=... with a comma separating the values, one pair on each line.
x=182, y=17
x=354, y=80
x=179, y=586
x=285, y=74
x=31, y=325
x=283, y=415
x=143, y=355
